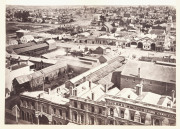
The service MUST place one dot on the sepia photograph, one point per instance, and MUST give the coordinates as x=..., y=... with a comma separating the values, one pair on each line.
x=90, y=63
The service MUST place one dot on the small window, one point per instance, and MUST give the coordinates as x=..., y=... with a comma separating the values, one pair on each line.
x=82, y=106
x=129, y=96
x=54, y=109
x=134, y=79
x=92, y=109
x=100, y=111
x=150, y=82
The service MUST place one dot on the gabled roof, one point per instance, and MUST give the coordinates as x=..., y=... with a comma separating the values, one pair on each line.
x=127, y=92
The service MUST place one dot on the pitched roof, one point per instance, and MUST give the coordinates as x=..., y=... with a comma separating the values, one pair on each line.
x=149, y=97
x=127, y=93
x=53, y=68
x=150, y=71
x=50, y=41
x=23, y=79
x=21, y=50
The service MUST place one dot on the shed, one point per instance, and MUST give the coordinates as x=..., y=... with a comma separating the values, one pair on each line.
x=52, y=44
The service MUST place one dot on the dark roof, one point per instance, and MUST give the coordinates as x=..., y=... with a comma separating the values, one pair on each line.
x=21, y=50
x=22, y=45
x=150, y=71
x=157, y=31
x=7, y=90
x=108, y=25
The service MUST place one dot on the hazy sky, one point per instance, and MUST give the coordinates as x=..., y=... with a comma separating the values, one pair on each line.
x=91, y=2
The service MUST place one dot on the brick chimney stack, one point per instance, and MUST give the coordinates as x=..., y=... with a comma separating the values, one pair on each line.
x=139, y=88
x=139, y=72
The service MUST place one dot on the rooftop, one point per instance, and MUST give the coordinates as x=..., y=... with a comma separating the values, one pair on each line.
x=21, y=50
x=150, y=71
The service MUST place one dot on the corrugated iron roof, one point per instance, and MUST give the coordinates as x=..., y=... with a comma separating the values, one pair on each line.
x=23, y=79
x=21, y=50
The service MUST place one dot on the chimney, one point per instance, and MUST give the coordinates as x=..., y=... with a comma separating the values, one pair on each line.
x=92, y=96
x=139, y=70
x=90, y=84
x=19, y=61
x=139, y=89
x=105, y=88
x=173, y=95
x=41, y=95
x=49, y=90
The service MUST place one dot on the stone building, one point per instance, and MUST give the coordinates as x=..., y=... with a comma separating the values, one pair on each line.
x=94, y=104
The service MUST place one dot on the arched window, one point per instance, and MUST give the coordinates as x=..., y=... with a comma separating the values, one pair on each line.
x=75, y=116
x=27, y=115
x=67, y=114
x=100, y=122
x=132, y=116
x=92, y=120
x=111, y=112
x=143, y=119
x=82, y=118
x=122, y=113
x=100, y=110
x=33, y=105
x=111, y=122
x=60, y=112
x=82, y=106
x=156, y=122
x=44, y=108
x=54, y=110
x=75, y=104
